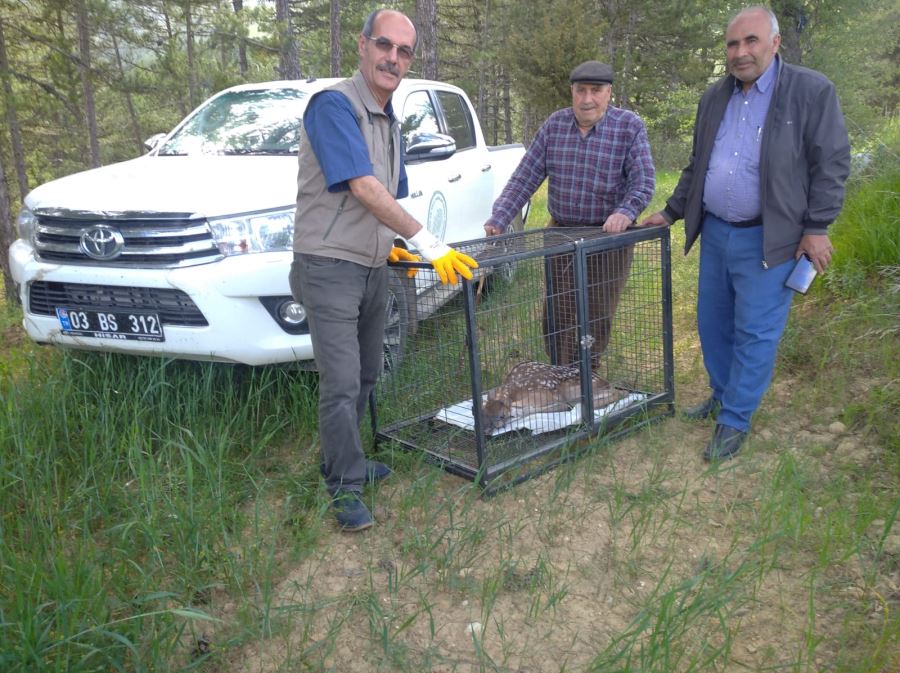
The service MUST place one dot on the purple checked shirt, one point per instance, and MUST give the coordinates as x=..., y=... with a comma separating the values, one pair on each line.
x=591, y=177
x=731, y=190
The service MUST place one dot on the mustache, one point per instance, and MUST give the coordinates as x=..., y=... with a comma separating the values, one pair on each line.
x=389, y=68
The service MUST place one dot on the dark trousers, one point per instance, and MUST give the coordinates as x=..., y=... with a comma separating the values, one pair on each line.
x=345, y=304
x=606, y=276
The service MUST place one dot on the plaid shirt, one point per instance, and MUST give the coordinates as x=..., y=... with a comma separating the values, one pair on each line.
x=607, y=171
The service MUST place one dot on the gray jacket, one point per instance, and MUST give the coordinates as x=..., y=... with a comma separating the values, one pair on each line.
x=337, y=224
x=803, y=163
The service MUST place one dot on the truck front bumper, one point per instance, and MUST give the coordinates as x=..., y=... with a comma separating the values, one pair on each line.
x=239, y=327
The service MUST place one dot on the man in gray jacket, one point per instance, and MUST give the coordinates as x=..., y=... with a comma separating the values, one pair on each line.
x=350, y=176
x=766, y=178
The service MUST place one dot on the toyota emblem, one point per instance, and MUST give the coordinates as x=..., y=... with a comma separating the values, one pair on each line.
x=102, y=242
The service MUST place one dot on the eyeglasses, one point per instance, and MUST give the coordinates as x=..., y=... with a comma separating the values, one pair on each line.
x=384, y=45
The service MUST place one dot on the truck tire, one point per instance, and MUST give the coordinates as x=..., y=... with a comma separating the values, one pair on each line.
x=517, y=225
x=399, y=318
x=503, y=273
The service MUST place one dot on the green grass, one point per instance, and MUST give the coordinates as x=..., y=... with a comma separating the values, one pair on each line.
x=165, y=516
x=865, y=236
x=129, y=488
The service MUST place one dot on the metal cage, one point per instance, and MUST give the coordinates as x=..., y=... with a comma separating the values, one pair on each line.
x=564, y=334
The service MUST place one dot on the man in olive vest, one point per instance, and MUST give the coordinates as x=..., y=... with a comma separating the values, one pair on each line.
x=350, y=177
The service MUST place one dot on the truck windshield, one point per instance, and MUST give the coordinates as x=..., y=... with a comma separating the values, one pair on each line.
x=242, y=122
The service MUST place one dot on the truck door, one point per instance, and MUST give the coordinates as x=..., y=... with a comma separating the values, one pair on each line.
x=469, y=175
x=419, y=117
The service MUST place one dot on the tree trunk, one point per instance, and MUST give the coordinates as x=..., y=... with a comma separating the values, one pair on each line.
x=481, y=96
x=289, y=61
x=242, y=43
x=84, y=68
x=484, y=30
x=792, y=20
x=507, y=107
x=12, y=120
x=426, y=24
x=170, y=34
x=193, y=94
x=528, y=130
x=610, y=37
x=335, y=21
x=129, y=103
x=623, y=78
x=495, y=106
x=6, y=235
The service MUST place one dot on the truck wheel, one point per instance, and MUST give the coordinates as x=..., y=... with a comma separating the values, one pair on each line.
x=399, y=318
x=503, y=273
x=517, y=225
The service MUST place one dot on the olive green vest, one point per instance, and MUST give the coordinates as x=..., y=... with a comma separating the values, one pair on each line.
x=337, y=224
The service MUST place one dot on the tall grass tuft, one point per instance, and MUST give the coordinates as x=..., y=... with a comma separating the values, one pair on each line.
x=866, y=235
x=861, y=290
x=126, y=486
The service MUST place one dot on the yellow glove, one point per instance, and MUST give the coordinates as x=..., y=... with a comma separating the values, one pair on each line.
x=454, y=262
x=398, y=254
x=445, y=260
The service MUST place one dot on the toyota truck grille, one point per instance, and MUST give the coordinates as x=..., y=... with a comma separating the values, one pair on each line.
x=174, y=307
x=163, y=241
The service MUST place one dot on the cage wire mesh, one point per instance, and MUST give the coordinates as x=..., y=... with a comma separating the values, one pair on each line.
x=563, y=334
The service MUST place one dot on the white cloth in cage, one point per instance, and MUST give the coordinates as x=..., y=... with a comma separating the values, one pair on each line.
x=460, y=415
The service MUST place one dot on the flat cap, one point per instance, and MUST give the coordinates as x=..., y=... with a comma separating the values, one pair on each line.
x=592, y=71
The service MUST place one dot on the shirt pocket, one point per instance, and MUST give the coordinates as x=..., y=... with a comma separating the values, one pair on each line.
x=605, y=176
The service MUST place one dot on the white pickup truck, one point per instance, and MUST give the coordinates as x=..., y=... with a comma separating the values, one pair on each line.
x=185, y=251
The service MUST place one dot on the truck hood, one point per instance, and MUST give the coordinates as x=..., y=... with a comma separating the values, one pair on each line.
x=206, y=186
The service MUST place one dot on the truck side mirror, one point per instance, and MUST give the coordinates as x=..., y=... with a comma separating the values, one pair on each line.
x=430, y=147
x=154, y=140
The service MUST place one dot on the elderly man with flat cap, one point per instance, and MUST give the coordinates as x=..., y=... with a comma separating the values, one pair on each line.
x=597, y=158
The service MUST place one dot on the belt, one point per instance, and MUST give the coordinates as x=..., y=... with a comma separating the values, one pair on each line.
x=746, y=224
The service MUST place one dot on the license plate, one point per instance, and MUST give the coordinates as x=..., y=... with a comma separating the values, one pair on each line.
x=110, y=324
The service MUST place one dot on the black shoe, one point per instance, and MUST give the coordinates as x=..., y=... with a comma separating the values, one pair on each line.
x=375, y=471
x=708, y=408
x=725, y=443
x=350, y=511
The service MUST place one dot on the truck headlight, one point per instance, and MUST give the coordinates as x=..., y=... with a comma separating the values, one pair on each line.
x=26, y=224
x=268, y=231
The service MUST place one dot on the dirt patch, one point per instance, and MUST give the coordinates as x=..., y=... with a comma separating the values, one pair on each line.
x=637, y=556
x=13, y=337
x=567, y=569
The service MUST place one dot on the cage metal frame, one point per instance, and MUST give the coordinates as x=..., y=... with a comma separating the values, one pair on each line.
x=506, y=251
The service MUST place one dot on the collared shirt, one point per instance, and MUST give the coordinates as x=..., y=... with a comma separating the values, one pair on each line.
x=731, y=191
x=591, y=177
x=331, y=125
